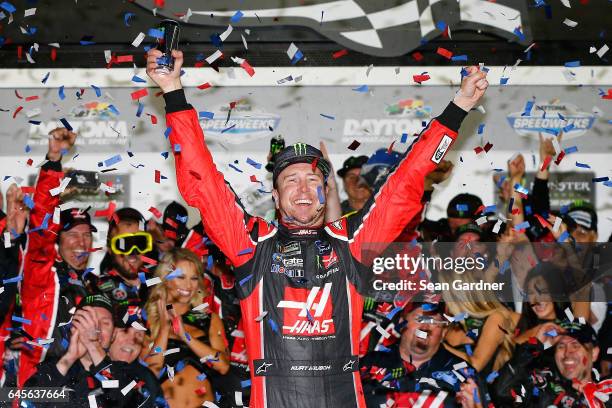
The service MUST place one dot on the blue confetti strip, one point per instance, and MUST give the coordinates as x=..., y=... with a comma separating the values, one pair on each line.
x=66, y=124
x=44, y=80
x=328, y=116
x=27, y=200
x=246, y=279
x=236, y=17
x=112, y=160
x=21, y=320
x=320, y=195
x=97, y=91
x=235, y=168
x=127, y=17
x=583, y=165
x=517, y=31
x=113, y=109
x=572, y=64
x=297, y=57
x=503, y=81
x=459, y=58
x=600, y=179
x=393, y=312
x=563, y=237
x=155, y=33
x=12, y=280
x=245, y=383
x=140, y=109
x=206, y=115
x=481, y=128
x=404, y=138
x=571, y=149
x=174, y=274
x=60, y=93
x=136, y=78
x=362, y=88
x=164, y=155
x=490, y=209
x=253, y=163
x=167, y=131
x=522, y=225
x=528, y=108
x=273, y=325
x=177, y=148
x=201, y=377
x=8, y=7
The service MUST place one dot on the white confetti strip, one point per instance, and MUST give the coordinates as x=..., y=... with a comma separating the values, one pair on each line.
x=497, y=226
x=481, y=220
x=215, y=56
x=60, y=189
x=138, y=326
x=7, y=239
x=261, y=316
x=569, y=314
x=602, y=51
x=33, y=112
x=128, y=387
x=226, y=33
x=566, y=3
x=1, y=289
x=172, y=351
x=29, y=12
x=56, y=215
x=557, y=224
x=292, y=50
x=107, y=56
x=556, y=146
x=210, y=404
x=153, y=281
x=421, y=334
x=201, y=306
x=107, y=188
x=91, y=398
x=244, y=42
x=138, y=40
x=110, y=384
x=385, y=333
x=460, y=365
x=238, y=398
x=570, y=23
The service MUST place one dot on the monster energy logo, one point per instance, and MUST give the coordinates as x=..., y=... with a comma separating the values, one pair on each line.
x=299, y=149
x=368, y=304
x=397, y=372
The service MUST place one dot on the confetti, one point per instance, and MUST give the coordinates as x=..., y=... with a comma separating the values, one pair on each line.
x=444, y=52
x=570, y=23
x=328, y=116
x=362, y=88
x=141, y=93
x=138, y=40
x=253, y=163
x=339, y=54
x=354, y=145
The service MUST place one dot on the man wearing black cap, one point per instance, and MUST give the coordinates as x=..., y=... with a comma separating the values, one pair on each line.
x=582, y=222
x=527, y=381
x=55, y=260
x=358, y=193
x=299, y=282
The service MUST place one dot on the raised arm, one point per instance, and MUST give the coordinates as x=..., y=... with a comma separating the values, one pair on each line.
x=200, y=183
x=399, y=199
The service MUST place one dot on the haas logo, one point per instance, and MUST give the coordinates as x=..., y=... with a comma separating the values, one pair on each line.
x=307, y=312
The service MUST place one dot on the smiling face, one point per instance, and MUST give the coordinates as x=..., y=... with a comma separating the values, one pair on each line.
x=297, y=198
x=183, y=288
x=127, y=265
x=575, y=360
x=74, y=245
x=540, y=300
x=354, y=187
x=126, y=345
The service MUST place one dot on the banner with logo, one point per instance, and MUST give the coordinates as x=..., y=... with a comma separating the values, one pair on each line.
x=244, y=119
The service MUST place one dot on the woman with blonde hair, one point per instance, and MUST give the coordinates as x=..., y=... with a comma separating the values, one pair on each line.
x=484, y=337
x=186, y=341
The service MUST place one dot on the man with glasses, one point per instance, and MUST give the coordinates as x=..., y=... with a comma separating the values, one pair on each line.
x=420, y=368
x=123, y=275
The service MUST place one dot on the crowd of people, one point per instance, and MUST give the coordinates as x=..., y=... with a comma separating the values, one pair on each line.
x=177, y=316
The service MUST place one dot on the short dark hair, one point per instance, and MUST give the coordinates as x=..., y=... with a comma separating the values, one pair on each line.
x=123, y=214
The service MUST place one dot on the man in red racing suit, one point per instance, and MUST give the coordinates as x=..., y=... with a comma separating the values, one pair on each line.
x=299, y=283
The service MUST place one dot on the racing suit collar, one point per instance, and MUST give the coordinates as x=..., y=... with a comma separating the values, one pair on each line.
x=298, y=233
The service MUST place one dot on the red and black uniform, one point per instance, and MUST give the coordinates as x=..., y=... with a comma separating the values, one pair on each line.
x=40, y=288
x=299, y=288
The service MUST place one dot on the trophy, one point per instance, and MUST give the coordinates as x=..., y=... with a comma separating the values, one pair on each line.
x=169, y=42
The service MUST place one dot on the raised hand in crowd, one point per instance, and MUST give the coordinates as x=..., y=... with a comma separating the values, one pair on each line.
x=516, y=168
x=16, y=211
x=473, y=87
x=469, y=395
x=88, y=325
x=76, y=350
x=61, y=141
x=439, y=175
x=547, y=149
x=167, y=81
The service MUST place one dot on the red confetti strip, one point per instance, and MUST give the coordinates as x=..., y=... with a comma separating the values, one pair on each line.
x=340, y=53
x=444, y=52
x=19, y=108
x=254, y=178
x=171, y=222
x=170, y=234
x=141, y=93
x=109, y=213
x=20, y=52
x=314, y=163
x=53, y=54
x=155, y=212
x=420, y=78
x=27, y=190
x=160, y=3
x=546, y=163
x=542, y=221
x=488, y=147
x=157, y=176
x=17, y=94
x=248, y=68
x=31, y=98
x=29, y=162
x=153, y=118
x=124, y=58
x=417, y=56
x=478, y=149
x=560, y=157
x=390, y=148
x=204, y=86
x=148, y=260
